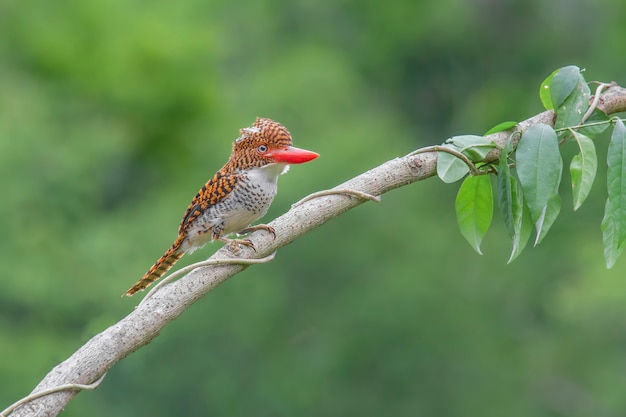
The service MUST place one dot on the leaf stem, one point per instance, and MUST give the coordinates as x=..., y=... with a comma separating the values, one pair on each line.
x=580, y=126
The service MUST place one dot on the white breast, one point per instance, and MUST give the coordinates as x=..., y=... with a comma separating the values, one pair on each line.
x=249, y=201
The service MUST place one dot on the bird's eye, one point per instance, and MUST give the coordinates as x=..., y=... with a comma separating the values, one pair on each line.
x=262, y=148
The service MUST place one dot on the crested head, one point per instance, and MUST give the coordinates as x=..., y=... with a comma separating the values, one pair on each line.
x=264, y=130
x=250, y=149
x=266, y=142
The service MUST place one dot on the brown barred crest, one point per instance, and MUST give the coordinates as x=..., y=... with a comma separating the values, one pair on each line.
x=263, y=132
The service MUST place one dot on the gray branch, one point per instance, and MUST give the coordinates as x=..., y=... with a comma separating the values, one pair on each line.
x=91, y=362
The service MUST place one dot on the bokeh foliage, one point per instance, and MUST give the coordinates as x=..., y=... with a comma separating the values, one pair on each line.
x=113, y=113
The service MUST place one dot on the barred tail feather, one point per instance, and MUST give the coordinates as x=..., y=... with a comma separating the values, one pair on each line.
x=160, y=267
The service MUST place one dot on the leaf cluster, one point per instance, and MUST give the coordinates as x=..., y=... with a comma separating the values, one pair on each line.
x=530, y=169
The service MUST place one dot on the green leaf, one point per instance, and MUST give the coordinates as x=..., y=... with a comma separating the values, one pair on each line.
x=547, y=218
x=571, y=111
x=505, y=194
x=501, y=127
x=595, y=130
x=508, y=146
x=544, y=91
x=449, y=167
x=563, y=82
x=616, y=180
x=583, y=169
x=474, y=209
x=474, y=147
x=522, y=223
x=612, y=247
x=539, y=167
x=550, y=211
x=511, y=204
x=464, y=141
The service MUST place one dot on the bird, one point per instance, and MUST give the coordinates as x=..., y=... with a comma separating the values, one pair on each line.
x=239, y=194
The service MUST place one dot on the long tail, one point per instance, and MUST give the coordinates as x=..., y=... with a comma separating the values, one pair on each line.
x=160, y=267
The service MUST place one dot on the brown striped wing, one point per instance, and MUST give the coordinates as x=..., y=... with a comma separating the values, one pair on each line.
x=215, y=190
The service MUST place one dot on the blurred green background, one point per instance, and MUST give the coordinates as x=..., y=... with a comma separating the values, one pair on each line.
x=112, y=115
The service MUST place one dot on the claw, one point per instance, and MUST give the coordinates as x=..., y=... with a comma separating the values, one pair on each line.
x=233, y=245
x=268, y=229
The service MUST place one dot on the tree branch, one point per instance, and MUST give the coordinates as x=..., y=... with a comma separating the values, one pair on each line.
x=91, y=362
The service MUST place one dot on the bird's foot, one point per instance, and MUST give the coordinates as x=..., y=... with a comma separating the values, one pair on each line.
x=268, y=229
x=233, y=245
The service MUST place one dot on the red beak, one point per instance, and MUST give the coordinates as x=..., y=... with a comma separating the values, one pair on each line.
x=292, y=155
